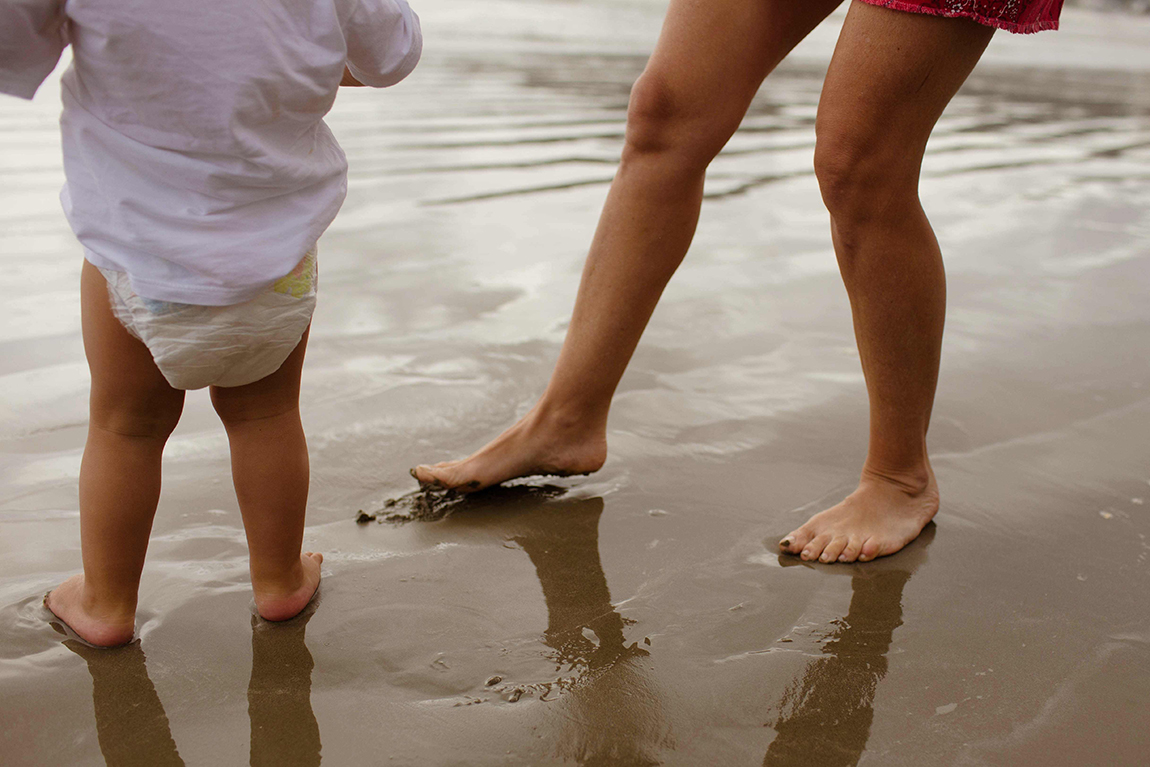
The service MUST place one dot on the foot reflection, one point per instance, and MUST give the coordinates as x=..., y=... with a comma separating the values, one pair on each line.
x=131, y=725
x=284, y=729
x=827, y=713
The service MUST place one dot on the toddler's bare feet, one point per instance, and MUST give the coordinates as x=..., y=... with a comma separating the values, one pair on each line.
x=96, y=624
x=283, y=600
x=877, y=519
x=536, y=445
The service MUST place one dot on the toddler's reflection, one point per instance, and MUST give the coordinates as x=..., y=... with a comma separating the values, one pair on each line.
x=284, y=729
x=133, y=729
x=131, y=725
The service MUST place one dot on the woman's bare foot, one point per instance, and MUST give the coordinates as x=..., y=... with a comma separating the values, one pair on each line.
x=285, y=600
x=536, y=445
x=96, y=624
x=877, y=519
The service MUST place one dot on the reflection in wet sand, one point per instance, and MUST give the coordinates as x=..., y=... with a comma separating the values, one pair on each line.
x=130, y=721
x=611, y=712
x=132, y=727
x=284, y=729
x=826, y=714
x=565, y=551
x=604, y=709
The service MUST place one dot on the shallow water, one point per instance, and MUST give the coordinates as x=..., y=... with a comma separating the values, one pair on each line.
x=639, y=616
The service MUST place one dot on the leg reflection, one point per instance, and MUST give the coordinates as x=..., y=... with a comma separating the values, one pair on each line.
x=583, y=626
x=284, y=729
x=130, y=721
x=827, y=713
x=611, y=713
x=604, y=709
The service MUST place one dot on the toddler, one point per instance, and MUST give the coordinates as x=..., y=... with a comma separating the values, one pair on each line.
x=199, y=175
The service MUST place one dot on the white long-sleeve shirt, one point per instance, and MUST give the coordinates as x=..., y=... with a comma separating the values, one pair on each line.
x=195, y=152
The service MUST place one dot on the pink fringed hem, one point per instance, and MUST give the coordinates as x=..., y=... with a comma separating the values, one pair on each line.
x=1008, y=26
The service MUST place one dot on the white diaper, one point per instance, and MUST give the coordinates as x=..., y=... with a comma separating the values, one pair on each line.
x=197, y=346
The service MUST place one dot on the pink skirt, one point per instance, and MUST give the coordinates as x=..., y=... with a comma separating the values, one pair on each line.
x=1021, y=16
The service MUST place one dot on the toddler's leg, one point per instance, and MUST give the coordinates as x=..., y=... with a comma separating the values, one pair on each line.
x=270, y=472
x=133, y=410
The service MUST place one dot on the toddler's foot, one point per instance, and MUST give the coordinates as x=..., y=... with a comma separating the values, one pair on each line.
x=281, y=601
x=877, y=519
x=536, y=445
x=95, y=624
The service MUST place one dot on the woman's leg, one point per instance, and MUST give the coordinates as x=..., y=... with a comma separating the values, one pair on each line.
x=709, y=62
x=270, y=471
x=892, y=75
x=133, y=410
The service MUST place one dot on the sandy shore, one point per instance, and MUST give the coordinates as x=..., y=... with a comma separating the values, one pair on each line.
x=639, y=616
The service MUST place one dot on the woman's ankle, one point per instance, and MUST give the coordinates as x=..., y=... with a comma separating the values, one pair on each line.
x=556, y=414
x=914, y=480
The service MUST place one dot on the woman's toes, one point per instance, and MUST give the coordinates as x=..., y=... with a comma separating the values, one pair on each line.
x=813, y=549
x=438, y=476
x=871, y=548
x=449, y=478
x=851, y=552
x=795, y=541
x=833, y=549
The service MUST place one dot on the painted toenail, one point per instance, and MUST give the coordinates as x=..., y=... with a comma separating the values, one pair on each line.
x=785, y=542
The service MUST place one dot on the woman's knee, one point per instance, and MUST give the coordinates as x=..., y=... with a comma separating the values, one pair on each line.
x=863, y=174
x=666, y=122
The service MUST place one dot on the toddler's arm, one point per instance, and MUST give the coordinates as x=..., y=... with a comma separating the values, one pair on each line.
x=32, y=37
x=383, y=43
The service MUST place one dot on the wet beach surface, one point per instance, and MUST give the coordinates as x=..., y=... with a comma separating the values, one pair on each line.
x=640, y=616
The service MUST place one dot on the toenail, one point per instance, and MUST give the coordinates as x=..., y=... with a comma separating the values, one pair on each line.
x=842, y=557
x=785, y=542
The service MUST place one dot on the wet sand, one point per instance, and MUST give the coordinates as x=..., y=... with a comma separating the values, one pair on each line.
x=639, y=616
